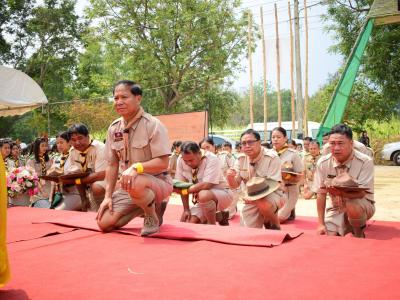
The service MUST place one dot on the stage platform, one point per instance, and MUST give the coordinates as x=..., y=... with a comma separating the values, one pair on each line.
x=62, y=255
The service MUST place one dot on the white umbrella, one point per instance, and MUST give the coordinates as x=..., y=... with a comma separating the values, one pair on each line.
x=19, y=93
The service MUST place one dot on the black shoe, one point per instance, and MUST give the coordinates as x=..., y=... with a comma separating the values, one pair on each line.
x=222, y=218
x=270, y=226
x=292, y=215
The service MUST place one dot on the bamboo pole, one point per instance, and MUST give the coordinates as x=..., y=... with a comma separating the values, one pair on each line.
x=278, y=68
x=306, y=72
x=264, y=77
x=250, y=70
x=292, y=76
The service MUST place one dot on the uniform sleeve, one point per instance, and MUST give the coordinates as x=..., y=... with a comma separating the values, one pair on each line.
x=298, y=165
x=108, y=152
x=275, y=169
x=366, y=178
x=179, y=170
x=318, y=185
x=212, y=171
x=100, y=163
x=159, y=142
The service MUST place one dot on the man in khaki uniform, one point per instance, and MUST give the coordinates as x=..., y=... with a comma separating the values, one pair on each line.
x=348, y=211
x=137, y=147
x=210, y=190
x=310, y=163
x=87, y=155
x=257, y=162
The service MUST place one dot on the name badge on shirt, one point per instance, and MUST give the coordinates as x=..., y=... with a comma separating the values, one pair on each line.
x=118, y=136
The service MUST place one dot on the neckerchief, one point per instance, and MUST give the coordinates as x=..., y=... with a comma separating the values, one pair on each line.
x=16, y=162
x=42, y=165
x=127, y=126
x=83, y=157
x=283, y=150
x=195, y=172
x=252, y=163
x=63, y=159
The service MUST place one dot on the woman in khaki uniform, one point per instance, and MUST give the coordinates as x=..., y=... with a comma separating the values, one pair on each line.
x=289, y=159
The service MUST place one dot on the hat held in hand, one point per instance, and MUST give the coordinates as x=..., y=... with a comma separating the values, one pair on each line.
x=345, y=182
x=258, y=188
x=287, y=168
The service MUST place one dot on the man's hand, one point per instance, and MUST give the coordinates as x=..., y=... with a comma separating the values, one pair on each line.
x=66, y=181
x=231, y=174
x=128, y=178
x=185, y=215
x=106, y=204
x=321, y=230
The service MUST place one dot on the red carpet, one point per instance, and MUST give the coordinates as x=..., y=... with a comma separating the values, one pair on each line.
x=85, y=264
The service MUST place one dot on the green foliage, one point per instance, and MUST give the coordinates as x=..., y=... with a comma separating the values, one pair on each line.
x=376, y=92
x=178, y=48
x=241, y=116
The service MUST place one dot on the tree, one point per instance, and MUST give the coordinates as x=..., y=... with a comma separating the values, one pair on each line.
x=176, y=47
x=378, y=83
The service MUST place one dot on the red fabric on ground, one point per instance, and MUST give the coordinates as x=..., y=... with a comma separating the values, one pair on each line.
x=183, y=231
x=90, y=265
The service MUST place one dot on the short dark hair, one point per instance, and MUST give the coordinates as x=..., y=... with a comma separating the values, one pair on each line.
x=253, y=132
x=189, y=147
x=281, y=130
x=63, y=135
x=326, y=134
x=136, y=90
x=315, y=142
x=77, y=129
x=342, y=129
x=307, y=138
x=227, y=144
x=292, y=142
x=175, y=145
x=5, y=141
x=207, y=139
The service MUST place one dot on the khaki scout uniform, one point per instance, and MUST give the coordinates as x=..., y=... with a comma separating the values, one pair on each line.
x=291, y=192
x=91, y=159
x=148, y=139
x=361, y=168
x=209, y=171
x=310, y=164
x=268, y=166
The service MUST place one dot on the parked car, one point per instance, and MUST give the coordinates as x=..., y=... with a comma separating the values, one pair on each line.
x=391, y=152
x=220, y=139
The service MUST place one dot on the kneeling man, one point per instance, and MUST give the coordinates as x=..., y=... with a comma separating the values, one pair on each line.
x=210, y=190
x=137, y=146
x=348, y=176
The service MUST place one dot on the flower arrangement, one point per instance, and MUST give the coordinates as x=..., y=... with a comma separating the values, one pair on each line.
x=21, y=180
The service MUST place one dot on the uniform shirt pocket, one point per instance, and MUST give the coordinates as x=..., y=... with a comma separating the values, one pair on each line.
x=140, y=150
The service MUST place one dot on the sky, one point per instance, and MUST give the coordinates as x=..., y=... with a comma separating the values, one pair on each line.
x=322, y=63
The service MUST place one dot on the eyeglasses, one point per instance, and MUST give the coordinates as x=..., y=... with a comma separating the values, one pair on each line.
x=248, y=143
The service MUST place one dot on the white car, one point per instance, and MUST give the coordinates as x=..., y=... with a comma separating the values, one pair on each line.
x=391, y=151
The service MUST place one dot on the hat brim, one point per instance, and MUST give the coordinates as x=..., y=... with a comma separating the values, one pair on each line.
x=181, y=184
x=350, y=188
x=290, y=172
x=273, y=186
x=74, y=175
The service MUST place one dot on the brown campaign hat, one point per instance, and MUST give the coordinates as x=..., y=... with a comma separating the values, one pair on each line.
x=258, y=188
x=345, y=182
x=287, y=167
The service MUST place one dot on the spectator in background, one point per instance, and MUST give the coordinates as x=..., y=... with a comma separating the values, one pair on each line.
x=15, y=159
x=325, y=138
x=292, y=144
x=364, y=138
x=207, y=144
x=41, y=163
x=5, y=148
x=176, y=150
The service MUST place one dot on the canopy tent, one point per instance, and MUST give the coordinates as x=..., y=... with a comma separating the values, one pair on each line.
x=19, y=93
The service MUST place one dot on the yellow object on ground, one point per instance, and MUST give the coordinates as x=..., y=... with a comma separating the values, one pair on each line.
x=4, y=267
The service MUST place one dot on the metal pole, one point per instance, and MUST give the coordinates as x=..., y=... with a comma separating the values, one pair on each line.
x=299, y=88
x=264, y=78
